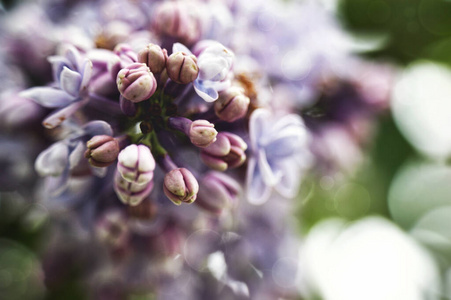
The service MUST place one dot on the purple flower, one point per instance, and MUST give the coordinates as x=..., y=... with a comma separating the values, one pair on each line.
x=72, y=73
x=65, y=156
x=279, y=151
x=215, y=63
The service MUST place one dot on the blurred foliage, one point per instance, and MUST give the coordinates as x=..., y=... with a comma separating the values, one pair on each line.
x=416, y=28
x=360, y=194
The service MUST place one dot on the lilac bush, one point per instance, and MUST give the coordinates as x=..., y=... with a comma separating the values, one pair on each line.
x=156, y=103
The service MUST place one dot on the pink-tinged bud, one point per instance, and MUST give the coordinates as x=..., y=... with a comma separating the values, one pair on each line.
x=136, y=83
x=180, y=185
x=154, y=57
x=217, y=192
x=182, y=68
x=177, y=19
x=131, y=193
x=102, y=150
x=201, y=132
x=232, y=104
x=227, y=152
x=136, y=164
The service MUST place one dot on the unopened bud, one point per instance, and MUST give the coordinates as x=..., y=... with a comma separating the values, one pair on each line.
x=217, y=191
x=131, y=193
x=136, y=83
x=232, y=104
x=136, y=164
x=228, y=151
x=182, y=68
x=154, y=57
x=201, y=132
x=177, y=19
x=180, y=185
x=102, y=150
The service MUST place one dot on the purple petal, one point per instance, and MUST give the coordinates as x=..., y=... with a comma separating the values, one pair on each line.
x=208, y=94
x=53, y=160
x=180, y=47
x=268, y=175
x=257, y=191
x=70, y=81
x=98, y=128
x=58, y=63
x=73, y=55
x=58, y=117
x=288, y=185
x=76, y=155
x=210, y=67
x=47, y=96
x=257, y=125
x=86, y=74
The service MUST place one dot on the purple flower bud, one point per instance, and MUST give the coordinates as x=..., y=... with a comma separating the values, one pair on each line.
x=136, y=164
x=201, y=132
x=131, y=193
x=177, y=19
x=180, y=185
x=127, y=107
x=227, y=152
x=232, y=104
x=217, y=191
x=102, y=150
x=154, y=57
x=182, y=68
x=126, y=53
x=136, y=83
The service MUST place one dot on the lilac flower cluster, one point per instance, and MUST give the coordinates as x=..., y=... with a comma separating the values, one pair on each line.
x=156, y=103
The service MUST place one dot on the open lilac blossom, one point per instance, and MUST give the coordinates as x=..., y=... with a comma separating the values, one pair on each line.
x=215, y=63
x=280, y=150
x=65, y=156
x=72, y=73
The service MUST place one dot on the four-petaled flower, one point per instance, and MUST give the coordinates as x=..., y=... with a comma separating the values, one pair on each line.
x=72, y=73
x=279, y=154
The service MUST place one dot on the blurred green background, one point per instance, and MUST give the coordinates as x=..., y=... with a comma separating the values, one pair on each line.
x=414, y=30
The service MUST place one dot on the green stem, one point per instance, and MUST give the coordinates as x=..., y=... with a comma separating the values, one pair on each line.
x=157, y=149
